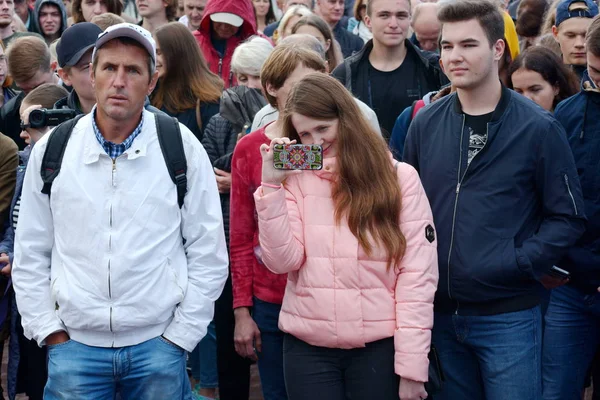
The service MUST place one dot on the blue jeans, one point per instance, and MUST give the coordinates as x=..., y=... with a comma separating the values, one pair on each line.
x=203, y=359
x=571, y=339
x=492, y=357
x=270, y=360
x=152, y=370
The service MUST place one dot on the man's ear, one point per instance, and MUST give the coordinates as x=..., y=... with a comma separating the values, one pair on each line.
x=442, y=65
x=153, y=81
x=368, y=21
x=499, y=49
x=555, y=32
x=53, y=65
x=64, y=76
x=92, y=76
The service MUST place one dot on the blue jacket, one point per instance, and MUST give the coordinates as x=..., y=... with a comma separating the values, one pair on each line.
x=579, y=115
x=508, y=217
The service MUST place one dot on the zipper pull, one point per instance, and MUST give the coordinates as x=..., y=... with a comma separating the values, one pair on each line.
x=457, y=187
x=114, y=174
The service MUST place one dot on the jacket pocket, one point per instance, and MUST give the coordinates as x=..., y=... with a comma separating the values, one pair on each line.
x=175, y=278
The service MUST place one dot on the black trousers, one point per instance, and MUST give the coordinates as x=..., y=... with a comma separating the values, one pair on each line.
x=234, y=371
x=315, y=373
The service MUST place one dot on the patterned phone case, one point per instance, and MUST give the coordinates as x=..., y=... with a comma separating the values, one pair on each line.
x=298, y=156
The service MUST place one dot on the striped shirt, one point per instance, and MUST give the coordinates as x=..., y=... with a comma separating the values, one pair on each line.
x=15, y=214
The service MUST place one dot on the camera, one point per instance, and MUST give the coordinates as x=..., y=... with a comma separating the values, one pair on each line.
x=43, y=117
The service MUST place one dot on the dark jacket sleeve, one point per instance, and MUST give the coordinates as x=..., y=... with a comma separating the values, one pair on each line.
x=399, y=133
x=217, y=137
x=9, y=161
x=339, y=73
x=411, y=149
x=558, y=187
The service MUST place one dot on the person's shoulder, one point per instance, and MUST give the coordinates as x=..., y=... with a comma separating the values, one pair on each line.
x=437, y=106
x=525, y=107
x=364, y=107
x=270, y=29
x=7, y=145
x=571, y=104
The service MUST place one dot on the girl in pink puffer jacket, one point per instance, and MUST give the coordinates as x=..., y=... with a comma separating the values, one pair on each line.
x=357, y=241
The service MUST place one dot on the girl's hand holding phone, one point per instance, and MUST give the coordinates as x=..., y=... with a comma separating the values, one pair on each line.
x=270, y=175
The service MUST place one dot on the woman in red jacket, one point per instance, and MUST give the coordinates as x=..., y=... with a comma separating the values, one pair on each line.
x=225, y=24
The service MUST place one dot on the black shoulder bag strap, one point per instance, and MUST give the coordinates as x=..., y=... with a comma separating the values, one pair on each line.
x=55, y=150
x=171, y=144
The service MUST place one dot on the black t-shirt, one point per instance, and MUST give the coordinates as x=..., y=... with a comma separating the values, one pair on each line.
x=391, y=92
x=477, y=127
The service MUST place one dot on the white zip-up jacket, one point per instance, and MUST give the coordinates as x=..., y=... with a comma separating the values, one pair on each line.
x=104, y=258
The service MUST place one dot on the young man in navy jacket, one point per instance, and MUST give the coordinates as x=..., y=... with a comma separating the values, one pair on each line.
x=572, y=332
x=507, y=202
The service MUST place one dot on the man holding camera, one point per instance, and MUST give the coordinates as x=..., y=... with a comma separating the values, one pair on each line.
x=74, y=53
x=111, y=272
x=30, y=65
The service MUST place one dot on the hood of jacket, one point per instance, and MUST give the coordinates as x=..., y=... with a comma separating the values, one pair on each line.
x=70, y=102
x=36, y=15
x=239, y=105
x=242, y=9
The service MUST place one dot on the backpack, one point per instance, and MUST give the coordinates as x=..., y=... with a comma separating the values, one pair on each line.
x=169, y=138
x=416, y=106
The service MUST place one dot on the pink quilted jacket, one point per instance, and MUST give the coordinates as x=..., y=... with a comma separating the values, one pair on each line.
x=337, y=296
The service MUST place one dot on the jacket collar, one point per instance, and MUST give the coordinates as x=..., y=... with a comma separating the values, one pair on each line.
x=364, y=53
x=92, y=150
x=500, y=108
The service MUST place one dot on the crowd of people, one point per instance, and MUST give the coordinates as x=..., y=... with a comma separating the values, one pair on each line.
x=448, y=248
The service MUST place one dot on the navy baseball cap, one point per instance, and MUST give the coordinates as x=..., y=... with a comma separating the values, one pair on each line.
x=75, y=42
x=575, y=9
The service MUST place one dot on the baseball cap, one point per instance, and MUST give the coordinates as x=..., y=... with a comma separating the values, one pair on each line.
x=575, y=9
x=135, y=32
x=75, y=42
x=227, y=18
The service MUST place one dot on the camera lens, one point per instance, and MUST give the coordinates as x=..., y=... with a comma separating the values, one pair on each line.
x=37, y=118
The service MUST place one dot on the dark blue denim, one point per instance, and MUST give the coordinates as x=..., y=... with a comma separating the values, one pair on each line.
x=492, y=357
x=571, y=338
x=270, y=360
x=203, y=359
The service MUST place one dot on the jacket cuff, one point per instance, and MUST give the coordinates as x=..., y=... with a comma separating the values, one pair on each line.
x=413, y=366
x=49, y=329
x=180, y=335
x=238, y=303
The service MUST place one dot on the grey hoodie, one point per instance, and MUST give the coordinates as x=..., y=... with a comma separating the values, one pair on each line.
x=36, y=15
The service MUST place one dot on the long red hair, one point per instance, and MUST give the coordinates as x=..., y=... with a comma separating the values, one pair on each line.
x=366, y=191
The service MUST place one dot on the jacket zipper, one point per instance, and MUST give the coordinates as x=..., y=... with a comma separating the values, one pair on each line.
x=220, y=67
x=458, y=185
x=110, y=222
x=571, y=194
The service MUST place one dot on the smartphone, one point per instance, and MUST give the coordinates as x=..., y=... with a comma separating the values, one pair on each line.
x=298, y=156
x=559, y=273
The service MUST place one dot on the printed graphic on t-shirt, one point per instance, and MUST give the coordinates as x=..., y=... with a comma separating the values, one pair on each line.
x=476, y=143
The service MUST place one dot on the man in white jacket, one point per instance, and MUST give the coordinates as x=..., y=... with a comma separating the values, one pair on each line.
x=110, y=273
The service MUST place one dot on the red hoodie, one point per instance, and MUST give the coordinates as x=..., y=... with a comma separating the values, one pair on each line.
x=218, y=65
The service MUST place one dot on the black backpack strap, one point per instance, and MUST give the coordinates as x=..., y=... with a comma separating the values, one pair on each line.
x=171, y=144
x=55, y=150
